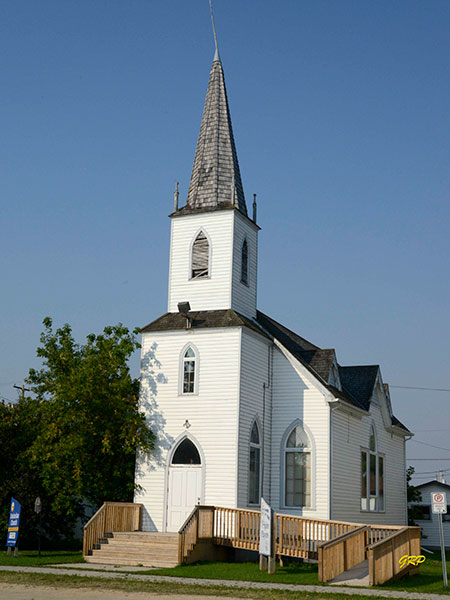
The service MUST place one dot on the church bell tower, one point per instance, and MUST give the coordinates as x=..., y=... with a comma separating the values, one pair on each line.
x=214, y=243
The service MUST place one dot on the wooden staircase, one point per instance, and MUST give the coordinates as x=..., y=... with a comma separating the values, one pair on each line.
x=136, y=548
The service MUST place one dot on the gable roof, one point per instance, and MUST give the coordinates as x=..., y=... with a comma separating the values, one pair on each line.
x=357, y=381
x=444, y=486
x=202, y=319
x=216, y=179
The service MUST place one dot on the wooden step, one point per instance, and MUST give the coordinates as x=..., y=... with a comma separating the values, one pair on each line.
x=132, y=548
x=141, y=536
x=136, y=553
x=123, y=561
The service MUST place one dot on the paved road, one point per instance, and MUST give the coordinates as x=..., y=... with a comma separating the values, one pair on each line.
x=220, y=582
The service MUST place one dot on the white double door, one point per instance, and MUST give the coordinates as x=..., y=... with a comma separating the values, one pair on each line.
x=185, y=491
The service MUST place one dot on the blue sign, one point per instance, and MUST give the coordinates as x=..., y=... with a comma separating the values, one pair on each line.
x=13, y=526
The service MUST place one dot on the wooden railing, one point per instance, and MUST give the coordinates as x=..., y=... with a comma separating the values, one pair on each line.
x=111, y=516
x=300, y=536
x=384, y=556
x=198, y=526
x=342, y=553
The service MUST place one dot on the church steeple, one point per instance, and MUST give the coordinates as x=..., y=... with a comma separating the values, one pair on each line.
x=216, y=179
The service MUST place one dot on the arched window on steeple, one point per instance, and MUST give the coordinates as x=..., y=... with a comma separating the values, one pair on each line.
x=200, y=257
x=244, y=263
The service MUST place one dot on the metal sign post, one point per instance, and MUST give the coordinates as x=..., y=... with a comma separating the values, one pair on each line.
x=37, y=510
x=439, y=507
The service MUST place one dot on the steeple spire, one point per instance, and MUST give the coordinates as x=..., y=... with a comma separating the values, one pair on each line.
x=216, y=178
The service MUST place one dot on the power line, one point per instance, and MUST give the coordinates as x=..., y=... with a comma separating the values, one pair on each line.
x=425, y=389
x=446, y=458
x=430, y=445
x=429, y=430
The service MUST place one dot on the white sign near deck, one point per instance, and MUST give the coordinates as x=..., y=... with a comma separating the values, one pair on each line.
x=439, y=502
x=265, y=529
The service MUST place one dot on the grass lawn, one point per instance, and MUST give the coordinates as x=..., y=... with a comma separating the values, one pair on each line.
x=30, y=558
x=429, y=579
x=296, y=573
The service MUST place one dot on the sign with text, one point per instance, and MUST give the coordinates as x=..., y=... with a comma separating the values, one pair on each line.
x=439, y=502
x=13, y=525
x=265, y=529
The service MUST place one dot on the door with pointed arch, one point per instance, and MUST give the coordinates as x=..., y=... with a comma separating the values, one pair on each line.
x=185, y=484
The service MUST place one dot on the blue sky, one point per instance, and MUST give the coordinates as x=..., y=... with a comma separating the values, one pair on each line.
x=341, y=121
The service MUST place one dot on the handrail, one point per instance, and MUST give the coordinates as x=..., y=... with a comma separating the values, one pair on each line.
x=110, y=517
x=383, y=556
x=342, y=553
x=390, y=538
x=342, y=537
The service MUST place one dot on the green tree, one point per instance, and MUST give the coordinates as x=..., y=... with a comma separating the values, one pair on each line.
x=412, y=495
x=91, y=426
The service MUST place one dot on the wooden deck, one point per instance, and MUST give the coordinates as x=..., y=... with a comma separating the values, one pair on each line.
x=337, y=545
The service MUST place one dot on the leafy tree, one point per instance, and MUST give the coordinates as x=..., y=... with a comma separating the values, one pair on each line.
x=90, y=425
x=412, y=495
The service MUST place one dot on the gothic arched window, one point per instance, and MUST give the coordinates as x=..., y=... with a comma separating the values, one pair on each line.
x=372, y=475
x=244, y=263
x=186, y=454
x=200, y=257
x=254, y=484
x=189, y=368
x=297, y=469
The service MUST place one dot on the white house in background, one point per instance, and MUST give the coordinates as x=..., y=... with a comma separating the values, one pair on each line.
x=428, y=521
x=241, y=406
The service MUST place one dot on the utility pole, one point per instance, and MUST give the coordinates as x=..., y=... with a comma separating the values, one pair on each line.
x=22, y=388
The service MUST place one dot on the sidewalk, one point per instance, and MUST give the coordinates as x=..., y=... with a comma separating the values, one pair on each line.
x=226, y=583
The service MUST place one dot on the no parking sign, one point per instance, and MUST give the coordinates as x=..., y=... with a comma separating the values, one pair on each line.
x=439, y=502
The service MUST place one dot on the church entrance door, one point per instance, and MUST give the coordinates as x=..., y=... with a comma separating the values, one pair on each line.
x=185, y=484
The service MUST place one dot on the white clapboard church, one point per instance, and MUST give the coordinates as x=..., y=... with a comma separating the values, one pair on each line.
x=241, y=406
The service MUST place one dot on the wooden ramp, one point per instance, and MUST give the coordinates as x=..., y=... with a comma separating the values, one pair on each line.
x=356, y=576
x=351, y=552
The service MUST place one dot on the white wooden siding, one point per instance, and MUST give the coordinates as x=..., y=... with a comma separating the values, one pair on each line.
x=255, y=365
x=212, y=414
x=214, y=292
x=244, y=296
x=349, y=435
x=293, y=397
x=430, y=529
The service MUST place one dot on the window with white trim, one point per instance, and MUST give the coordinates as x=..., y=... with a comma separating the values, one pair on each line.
x=200, y=257
x=189, y=371
x=372, y=476
x=244, y=263
x=297, y=469
x=254, y=487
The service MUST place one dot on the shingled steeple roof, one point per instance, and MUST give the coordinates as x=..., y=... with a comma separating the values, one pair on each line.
x=216, y=179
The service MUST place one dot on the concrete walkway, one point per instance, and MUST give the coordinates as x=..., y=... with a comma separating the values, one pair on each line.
x=185, y=581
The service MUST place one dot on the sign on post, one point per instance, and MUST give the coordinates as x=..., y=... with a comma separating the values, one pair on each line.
x=439, y=502
x=265, y=529
x=439, y=506
x=13, y=525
